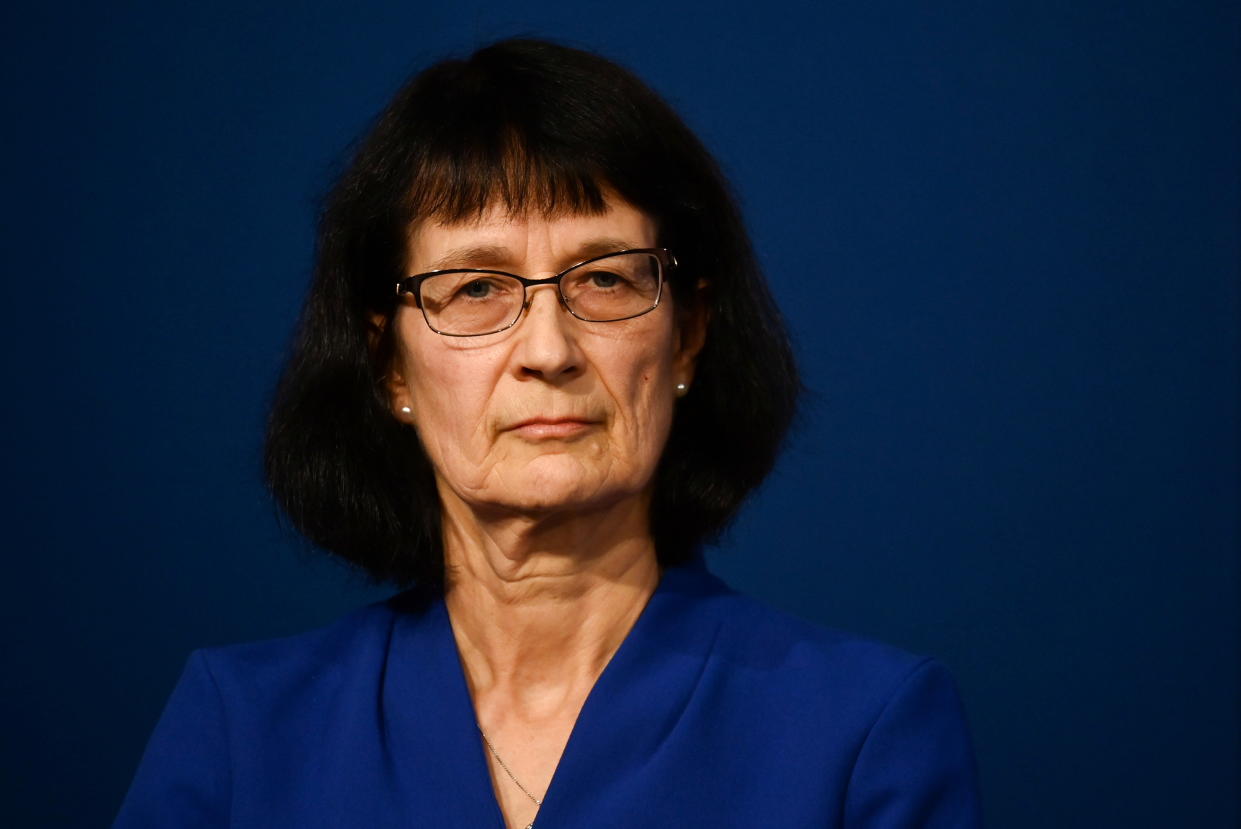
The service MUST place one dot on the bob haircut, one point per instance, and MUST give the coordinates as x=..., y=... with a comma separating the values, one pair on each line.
x=531, y=126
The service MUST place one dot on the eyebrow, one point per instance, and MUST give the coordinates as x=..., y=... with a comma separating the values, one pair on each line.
x=497, y=256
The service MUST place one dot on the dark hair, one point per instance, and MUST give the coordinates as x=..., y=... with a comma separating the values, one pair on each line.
x=534, y=126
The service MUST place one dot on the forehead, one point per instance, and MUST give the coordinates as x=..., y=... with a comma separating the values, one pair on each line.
x=517, y=237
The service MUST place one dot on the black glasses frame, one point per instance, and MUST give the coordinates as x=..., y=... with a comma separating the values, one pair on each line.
x=413, y=285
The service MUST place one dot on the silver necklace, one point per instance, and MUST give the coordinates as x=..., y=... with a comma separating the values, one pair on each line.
x=510, y=774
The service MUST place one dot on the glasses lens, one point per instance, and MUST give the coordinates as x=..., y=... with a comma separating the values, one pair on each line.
x=614, y=287
x=467, y=303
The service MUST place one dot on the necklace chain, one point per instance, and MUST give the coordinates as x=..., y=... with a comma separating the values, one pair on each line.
x=509, y=772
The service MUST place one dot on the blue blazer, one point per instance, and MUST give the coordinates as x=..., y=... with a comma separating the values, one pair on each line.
x=715, y=711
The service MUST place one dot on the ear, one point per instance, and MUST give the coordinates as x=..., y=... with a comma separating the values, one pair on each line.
x=692, y=324
x=375, y=329
x=399, y=400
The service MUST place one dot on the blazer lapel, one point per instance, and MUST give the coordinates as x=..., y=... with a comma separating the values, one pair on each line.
x=635, y=708
x=432, y=736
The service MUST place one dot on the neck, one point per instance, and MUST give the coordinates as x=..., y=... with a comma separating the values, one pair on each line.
x=540, y=604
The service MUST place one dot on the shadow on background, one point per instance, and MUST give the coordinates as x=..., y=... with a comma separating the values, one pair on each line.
x=1006, y=238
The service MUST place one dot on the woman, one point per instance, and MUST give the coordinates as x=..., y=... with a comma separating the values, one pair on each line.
x=537, y=369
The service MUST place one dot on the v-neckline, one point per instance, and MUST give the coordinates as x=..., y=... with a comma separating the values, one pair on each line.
x=433, y=727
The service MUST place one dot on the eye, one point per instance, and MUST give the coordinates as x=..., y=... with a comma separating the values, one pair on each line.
x=477, y=289
x=604, y=279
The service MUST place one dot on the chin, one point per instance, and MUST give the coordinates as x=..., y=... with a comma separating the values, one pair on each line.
x=561, y=482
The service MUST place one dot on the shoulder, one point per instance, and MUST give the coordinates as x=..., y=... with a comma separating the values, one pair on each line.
x=310, y=663
x=754, y=635
x=886, y=723
x=761, y=653
x=240, y=711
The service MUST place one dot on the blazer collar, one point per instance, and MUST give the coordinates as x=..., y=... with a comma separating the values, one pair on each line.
x=436, y=756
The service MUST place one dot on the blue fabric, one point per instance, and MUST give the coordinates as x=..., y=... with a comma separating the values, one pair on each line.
x=715, y=711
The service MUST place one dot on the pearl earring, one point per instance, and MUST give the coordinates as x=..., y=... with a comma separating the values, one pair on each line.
x=682, y=389
x=405, y=409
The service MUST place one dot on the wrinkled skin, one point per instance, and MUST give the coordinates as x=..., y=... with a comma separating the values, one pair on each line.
x=617, y=380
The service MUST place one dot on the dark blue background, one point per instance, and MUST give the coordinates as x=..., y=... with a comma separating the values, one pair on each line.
x=1007, y=240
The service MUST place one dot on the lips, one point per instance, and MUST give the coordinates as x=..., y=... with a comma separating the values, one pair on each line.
x=544, y=428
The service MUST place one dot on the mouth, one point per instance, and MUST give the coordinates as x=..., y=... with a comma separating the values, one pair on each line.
x=552, y=428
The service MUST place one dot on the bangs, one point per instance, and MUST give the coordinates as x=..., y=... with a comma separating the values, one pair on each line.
x=461, y=179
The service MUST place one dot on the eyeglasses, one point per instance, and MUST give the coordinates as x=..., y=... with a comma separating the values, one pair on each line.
x=472, y=302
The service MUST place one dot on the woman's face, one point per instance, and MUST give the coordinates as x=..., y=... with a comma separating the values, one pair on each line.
x=553, y=413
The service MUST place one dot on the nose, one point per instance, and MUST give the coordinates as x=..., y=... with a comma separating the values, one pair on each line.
x=548, y=348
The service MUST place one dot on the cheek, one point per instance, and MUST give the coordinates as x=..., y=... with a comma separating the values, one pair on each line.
x=645, y=405
x=450, y=390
